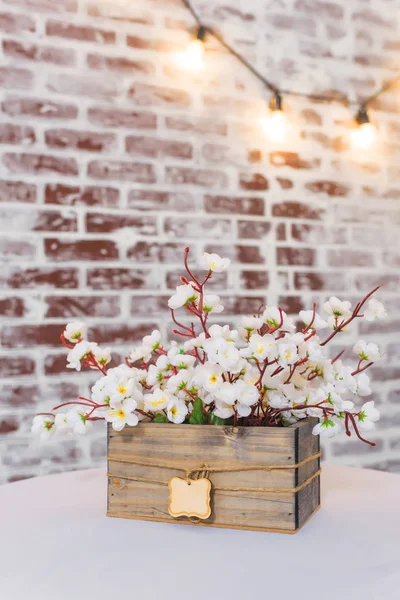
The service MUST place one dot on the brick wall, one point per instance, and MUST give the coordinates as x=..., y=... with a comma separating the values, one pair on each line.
x=112, y=160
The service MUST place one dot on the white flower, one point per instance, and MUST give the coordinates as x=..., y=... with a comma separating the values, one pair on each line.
x=367, y=351
x=209, y=376
x=183, y=361
x=100, y=393
x=102, y=356
x=312, y=350
x=273, y=317
x=122, y=387
x=287, y=354
x=184, y=294
x=152, y=341
x=362, y=382
x=122, y=414
x=227, y=393
x=223, y=410
x=143, y=353
x=182, y=380
x=78, y=353
x=337, y=308
x=61, y=424
x=213, y=262
x=248, y=325
x=317, y=323
x=158, y=400
x=367, y=417
x=216, y=331
x=77, y=421
x=246, y=393
x=43, y=426
x=177, y=411
x=75, y=332
x=278, y=400
x=211, y=303
x=260, y=347
x=326, y=428
x=375, y=310
x=337, y=323
x=224, y=353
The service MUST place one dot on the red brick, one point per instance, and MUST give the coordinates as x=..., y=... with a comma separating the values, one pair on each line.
x=311, y=117
x=18, y=395
x=199, y=177
x=156, y=252
x=254, y=156
x=157, y=200
x=253, y=181
x=79, y=32
x=12, y=306
x=17, y=249
x=253, y=229
x=45, y=277
x=350, y=258
x=8, y=425
x=75, y=196
x=199, y=125
x=103, y=88
x=293, y=22
x=60, y=6
x=26, y=336
x=286, y=184
x=242, y=305
x=124, y=12
x=36, y=107
x=157, y=306
x=110, y=223
x=330, y=188
x=65, y=250
x=337, y=144
x=234, y=205
x=16, y=366
x=81, y=306
x=14, y=78
x=295, y=256
x=151, y=95
x=33, y=52
x=107, y=278
x=16, y=134
x=202, y=228
x=280, y=232
x=319, y=234
x=37, y=220
x=320, y=281
x=254, y=280
x=17, y=191
x=157, y=148
x=122, y=333
x=39, y=164
x=16, y=23
x=149, y=43
x=297, y=210
x=392, y=259
x=366, y=282
x=218, y=284
x=227, y=103
x=369, y=16
x=119, y=64
x=81, y=140
x=291, y=304
x=122, y=171
x=118, y=117
x=293, y=160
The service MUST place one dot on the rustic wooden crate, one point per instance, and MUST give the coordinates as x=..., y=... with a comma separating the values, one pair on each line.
x=132, y=495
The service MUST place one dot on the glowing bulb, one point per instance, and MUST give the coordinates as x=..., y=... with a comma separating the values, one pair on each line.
x=275, y=125
x=365, y=135
x=193, y=56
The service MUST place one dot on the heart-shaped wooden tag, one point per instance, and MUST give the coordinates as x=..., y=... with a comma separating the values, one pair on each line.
x=189, y=498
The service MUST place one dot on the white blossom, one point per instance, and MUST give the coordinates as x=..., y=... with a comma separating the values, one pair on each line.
x=158, y=400
x=287, y=354
x=177, y=411
x=374, y=311
x=122, y=414
x=77, y=421
x=213, y=262
x=308, y=316
x=78, y=353
x=43, y=426
x=75, y=332
x=367, y=351
x=337, y=308
x=260, y=347
x=326, y=428
x=184, y=293
x=102, y=356
x=211, y=303
x=368, y=416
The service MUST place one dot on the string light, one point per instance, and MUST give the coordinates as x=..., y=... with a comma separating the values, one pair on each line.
x=275, y=124
x=193, y=56
x=365, y=134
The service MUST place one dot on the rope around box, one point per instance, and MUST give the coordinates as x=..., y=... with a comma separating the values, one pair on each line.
x=204, y=469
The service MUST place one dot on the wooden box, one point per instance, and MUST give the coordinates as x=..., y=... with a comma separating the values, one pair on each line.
x=142, y=460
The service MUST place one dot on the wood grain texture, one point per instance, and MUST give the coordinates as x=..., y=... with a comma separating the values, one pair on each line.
x=192, y=446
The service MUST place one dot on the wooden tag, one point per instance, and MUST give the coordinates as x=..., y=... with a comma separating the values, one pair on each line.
x=189, y=498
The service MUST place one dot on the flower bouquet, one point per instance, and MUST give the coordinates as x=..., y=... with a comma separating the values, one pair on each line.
x=257, y=399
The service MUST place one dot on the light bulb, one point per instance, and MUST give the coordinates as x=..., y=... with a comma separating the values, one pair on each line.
x=275, y=124
x=193, y=56
x=365, y=134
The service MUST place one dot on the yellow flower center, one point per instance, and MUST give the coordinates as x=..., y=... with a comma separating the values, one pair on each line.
x=288, y=355
x=174, y=411
x=158, y=402
x=260, y=349
x=122, y=389
x=120, y=414
x=213, y=378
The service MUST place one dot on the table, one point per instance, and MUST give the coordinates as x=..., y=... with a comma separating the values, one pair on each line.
x=56, y=543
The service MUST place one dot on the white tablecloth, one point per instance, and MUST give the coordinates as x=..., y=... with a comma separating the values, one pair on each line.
x=56, y=543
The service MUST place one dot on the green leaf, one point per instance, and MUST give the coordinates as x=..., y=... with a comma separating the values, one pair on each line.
x=160, y=418
x=218, y=421
x=198, y=416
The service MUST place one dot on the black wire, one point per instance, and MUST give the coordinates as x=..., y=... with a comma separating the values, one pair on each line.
x=275, y=89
